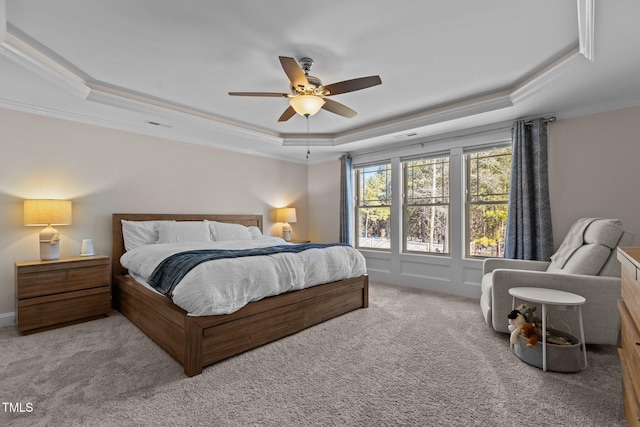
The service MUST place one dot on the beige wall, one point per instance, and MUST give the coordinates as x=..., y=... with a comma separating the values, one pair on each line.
x=594, y=169
x=324, y=202
x=105, y=171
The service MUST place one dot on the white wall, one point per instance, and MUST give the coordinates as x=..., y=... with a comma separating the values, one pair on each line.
x=105, y=171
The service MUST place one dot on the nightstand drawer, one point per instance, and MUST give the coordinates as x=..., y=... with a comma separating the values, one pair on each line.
x=42, y=313
x=49, y=279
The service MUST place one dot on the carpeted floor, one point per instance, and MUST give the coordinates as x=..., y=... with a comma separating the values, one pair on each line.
x=413, y=358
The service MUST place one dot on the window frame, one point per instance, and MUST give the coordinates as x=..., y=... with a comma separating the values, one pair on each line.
x=358, y=206
x=468, y=203
x=406, y=205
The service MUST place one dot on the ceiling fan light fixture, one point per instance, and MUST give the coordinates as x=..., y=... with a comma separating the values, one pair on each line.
x=307, y=105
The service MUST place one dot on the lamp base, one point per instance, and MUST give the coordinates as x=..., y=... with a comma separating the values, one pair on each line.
x=49, y=244
x=49, y=251
x=286, y=231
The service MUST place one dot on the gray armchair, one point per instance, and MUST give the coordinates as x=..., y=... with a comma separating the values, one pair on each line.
x=585, y=264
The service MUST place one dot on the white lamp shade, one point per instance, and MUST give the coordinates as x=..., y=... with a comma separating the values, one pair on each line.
x=47, y=212
x=307, y=104
x=286, y=215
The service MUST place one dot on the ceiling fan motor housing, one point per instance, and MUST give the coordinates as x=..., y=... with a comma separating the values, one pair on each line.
x=314, y=83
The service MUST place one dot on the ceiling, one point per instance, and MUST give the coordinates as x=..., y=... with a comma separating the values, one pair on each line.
x=165, y=68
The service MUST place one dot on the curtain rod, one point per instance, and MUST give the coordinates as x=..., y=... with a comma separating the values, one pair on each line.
x=549, y=120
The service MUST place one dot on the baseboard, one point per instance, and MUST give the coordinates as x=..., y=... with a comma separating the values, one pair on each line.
x=7, y=319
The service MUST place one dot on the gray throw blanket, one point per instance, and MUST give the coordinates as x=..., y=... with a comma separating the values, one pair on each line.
x=171, y=270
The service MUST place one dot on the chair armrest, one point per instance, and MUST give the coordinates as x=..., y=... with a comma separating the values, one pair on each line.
x=491, y=264
x=601, y=318
x=504, y=279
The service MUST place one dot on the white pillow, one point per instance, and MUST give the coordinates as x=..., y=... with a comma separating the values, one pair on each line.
x=224, y=231
x=255, y=232
x=184, y=231
x=139, y=233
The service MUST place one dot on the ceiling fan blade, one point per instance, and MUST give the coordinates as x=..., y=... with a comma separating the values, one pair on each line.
x=352, y=85
x=267, y=94
x=288, y=113
x=337, y=108
x=294, y=72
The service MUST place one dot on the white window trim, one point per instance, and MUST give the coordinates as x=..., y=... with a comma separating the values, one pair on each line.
x=455, y=147
x=404, y=206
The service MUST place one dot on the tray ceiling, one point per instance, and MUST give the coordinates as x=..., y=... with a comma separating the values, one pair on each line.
x=165, y=68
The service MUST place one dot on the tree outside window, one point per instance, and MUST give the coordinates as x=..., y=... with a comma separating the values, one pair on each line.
x=426, y=205
x=373, y=207
x=488, y=175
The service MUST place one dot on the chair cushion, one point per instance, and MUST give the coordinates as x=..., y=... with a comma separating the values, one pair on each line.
x=587, y=259
x=588, y=247
x=573, y=240
x=605, y=232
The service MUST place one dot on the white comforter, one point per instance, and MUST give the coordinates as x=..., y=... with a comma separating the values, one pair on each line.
x=226, y=285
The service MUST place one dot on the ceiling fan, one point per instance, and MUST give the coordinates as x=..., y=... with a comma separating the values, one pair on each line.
x=308, y=94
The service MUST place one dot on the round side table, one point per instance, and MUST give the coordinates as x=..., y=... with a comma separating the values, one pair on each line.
x=548, y=297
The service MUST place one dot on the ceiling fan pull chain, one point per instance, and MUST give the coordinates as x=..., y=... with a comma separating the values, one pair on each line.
x=308, y=151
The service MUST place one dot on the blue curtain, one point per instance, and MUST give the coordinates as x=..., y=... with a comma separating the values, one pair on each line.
x=529, y=234
x=346, y=199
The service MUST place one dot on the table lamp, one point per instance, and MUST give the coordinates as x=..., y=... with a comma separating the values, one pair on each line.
x=48, y=212
x=286, y=215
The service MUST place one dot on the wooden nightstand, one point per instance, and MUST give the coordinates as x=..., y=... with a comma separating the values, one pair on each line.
x=52, y=294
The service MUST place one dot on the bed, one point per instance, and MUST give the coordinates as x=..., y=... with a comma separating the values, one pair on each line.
x=198, y=341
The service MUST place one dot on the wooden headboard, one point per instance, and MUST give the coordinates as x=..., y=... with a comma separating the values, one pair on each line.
x=117, y=244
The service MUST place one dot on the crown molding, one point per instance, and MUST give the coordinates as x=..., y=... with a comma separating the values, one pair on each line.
x=535, y=83
x=445, y=113
x=311, y=141
x=24, y=55
x=577, y=57
x=74, y=117
x=21, y=53
x=586, y=27
x=123, y=99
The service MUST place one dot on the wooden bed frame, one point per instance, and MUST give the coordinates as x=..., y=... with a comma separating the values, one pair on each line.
x=196, y=342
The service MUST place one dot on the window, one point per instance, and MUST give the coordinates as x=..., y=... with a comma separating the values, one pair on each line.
x=488, y=173
x=426, y=206
x=373, y=206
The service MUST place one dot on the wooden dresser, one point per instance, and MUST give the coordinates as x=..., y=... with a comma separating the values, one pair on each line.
x=629, y=308
x=51, y=294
